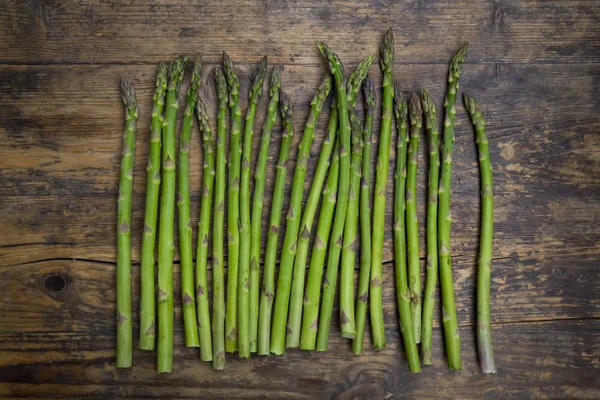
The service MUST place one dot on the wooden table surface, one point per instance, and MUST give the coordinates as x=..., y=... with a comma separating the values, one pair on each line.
x=533, y=65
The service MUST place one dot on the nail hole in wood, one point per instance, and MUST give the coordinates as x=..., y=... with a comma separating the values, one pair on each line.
x=55, y=283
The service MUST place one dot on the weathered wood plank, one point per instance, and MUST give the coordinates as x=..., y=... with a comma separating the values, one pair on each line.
x=125, y=32
x=523, y=289
x=528, y=368
x=61, y=127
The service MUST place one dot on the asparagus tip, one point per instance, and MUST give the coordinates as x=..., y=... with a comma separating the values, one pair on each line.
x=426, y=101
x=415, y=105
x=285, y=106
x=398, y=89
x=127, y=93
x=176, y=70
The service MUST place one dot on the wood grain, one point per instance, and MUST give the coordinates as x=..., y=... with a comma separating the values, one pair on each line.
x=74, y=329
x=133, y=32
x=534, y=66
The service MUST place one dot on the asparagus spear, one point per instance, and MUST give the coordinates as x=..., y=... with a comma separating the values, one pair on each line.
x=350, y=233
x=147, y=305
x=243, y=315
x=203, y=232
x=290, y=241
x=166, y=245
x=312, y=294
x=218, y=315
x=402, y=290
x=365, y=218
x=233, y=204
x=347, y=317
x=376, y=301
x=266, y=301
x=257, y=212
x=450, y=322
x=183, y=204
x=412, y=221
x=308, y=216
x=124, y=326
x=432, y=205
x=335, y=245
x=484, y=332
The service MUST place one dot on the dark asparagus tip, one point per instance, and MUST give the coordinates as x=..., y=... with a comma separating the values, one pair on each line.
x=397, y=89
x=285, y=107
x=127, y=93
x=368, y=88
x=415, y=106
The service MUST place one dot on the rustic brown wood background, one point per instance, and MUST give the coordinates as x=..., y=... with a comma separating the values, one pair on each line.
x=534, y=66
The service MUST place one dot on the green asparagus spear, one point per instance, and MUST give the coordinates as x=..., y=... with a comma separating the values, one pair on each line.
x=347, y=317
x=208, y=180
x=402, y=290
x=365, y=218
x=335, y=245
x=310, y=316
x=376, y=301
x=218, y=314
x=350, y=233
x=147, y=302
x=124, y=326
x=450, y=321
x=308, y=216
x=432, y=205
x=243, y=315
x=166, y=245
x=266, y=301
x=484, y=264
x=290, y=241
x=412, y=221
x=233, y=204
x=257, y=213
x=183, y=204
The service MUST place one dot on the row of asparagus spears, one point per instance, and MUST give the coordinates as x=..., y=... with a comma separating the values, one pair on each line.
x=294, y=312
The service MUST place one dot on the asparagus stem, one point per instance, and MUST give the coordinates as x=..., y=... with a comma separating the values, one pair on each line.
x=376, y=300
x=310, y=316
x=166, y=245
x=261, y=342
x=266, y=301
x=402, y=290
x=347, y=317
x=350, y=233
x=208, y=180
x=218, y=315
x=290, y=241
x=412, y=221
x=233, y=204
x=484, y=333
x=450, y=322
x=365, y=218
x=308, y=216
x=243, y=315
x=124, y=325
x=335, y=245
x=183, y=204
x=432, y=205
x=147, y=303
